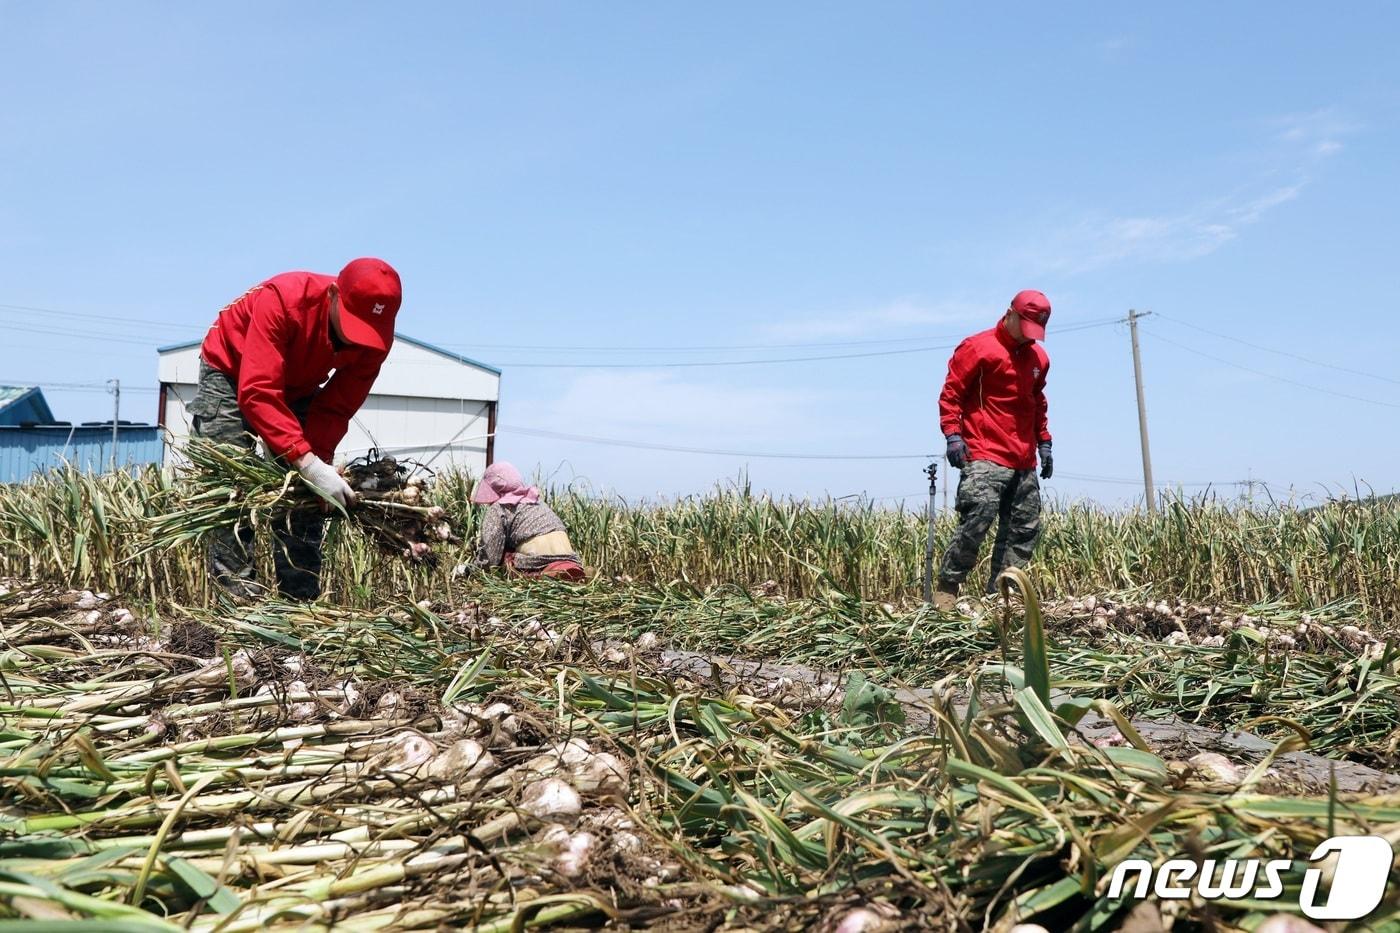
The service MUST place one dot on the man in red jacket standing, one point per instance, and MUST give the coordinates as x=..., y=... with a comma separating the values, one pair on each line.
x=993, y=413
x=262, y=374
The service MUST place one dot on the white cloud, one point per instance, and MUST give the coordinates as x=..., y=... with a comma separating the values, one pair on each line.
x=1317, y=132
x=658, y=406
x=1250, y=211
x=899, y=315
x=1299, y=143
x=1095, y=242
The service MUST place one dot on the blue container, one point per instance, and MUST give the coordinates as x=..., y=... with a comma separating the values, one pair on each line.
x=30, y=449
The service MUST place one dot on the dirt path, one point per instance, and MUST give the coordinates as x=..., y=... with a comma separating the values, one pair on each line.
x=1174, y=740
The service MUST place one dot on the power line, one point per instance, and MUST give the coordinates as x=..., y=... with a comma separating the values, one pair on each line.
x=1267, y=375
x=124, y=320
x=618, y=442
x=674, y=448
x=127, y=321
x=1304, y=359
x=802, y=359
x=514, y=346
x=105, y=336
x=74, y=386
x=658, y=364
x=676, y=348
x=1124, y=481
x=108, y=352
x=701, y=364
x=691, y=364
x=738, y=346
x=861, y=497
x=84, y=315
x=679, y=348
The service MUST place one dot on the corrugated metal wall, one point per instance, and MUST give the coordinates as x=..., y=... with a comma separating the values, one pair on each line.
x=26, y=451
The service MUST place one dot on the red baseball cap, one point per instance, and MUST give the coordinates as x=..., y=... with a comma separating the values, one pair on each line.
x=370, y=295
x=1034, y=309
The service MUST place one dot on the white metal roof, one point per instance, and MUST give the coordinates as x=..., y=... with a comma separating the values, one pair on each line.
x=414, y=369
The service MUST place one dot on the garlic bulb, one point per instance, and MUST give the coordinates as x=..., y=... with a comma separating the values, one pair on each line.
x=461, y=761
x=216, y=672
x=603, y=772
x=350, y=697
x=551, y=799
x=861, y=920
x=407, y=752
x=1216, y=767
x=304, y=709
x=391, y=706
x=574, y=859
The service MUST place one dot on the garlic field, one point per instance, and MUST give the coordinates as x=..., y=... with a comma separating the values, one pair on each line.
x=739, y=739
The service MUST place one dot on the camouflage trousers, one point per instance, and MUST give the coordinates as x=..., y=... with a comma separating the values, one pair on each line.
x=296, y=554
x=990, y=492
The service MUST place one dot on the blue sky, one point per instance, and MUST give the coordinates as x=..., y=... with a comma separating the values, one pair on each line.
x=811, y=179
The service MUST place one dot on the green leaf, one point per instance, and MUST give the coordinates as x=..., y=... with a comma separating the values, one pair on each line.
x=465, y=677
x=220, y=899
x=1042, y=899
x=1035, y=653
x=869, y=704
x=1038, y=718
x=1073, y=710
x=95, y=861
x=46, y=847
x=970, y=771
x=1142, y=765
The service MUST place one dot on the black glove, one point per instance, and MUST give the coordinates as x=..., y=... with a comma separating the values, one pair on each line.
x=1047, y=464
x=957, y=451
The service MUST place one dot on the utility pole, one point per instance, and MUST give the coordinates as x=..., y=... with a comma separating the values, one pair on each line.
x=116, y=415
x=932, y=471
x=1142, y=410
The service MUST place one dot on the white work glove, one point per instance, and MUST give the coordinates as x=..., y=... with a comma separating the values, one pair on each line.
x=323, y=477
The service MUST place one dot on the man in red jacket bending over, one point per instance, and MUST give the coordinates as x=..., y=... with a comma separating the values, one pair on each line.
x=261, y=374
x=993, y=413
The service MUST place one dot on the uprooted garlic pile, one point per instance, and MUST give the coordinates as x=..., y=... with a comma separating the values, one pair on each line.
x=225, y=486
x=1180, y=622
x=317, y=773
x=393, y=504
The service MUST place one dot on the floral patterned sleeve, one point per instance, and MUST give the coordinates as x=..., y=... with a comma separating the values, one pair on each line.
x=492, y=547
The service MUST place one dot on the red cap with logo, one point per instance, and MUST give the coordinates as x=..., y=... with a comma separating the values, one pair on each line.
x=370, y=295
x=1034, y=310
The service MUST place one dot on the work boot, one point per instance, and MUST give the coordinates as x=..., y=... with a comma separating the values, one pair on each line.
x=945, y=597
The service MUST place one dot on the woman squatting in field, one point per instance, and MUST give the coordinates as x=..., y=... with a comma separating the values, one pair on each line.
x=519, y=531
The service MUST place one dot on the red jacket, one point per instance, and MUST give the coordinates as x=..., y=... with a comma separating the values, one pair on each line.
x=275, y=343
x=995, y=398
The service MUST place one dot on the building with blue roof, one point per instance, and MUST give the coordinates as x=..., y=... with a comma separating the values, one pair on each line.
x=33, y=442
x=24, y=404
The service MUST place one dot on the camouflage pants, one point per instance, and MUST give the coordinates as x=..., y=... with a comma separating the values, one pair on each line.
x=296, y=555
x=990, y=492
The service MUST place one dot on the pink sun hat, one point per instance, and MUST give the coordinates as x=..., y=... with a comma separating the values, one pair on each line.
x=503, y=483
